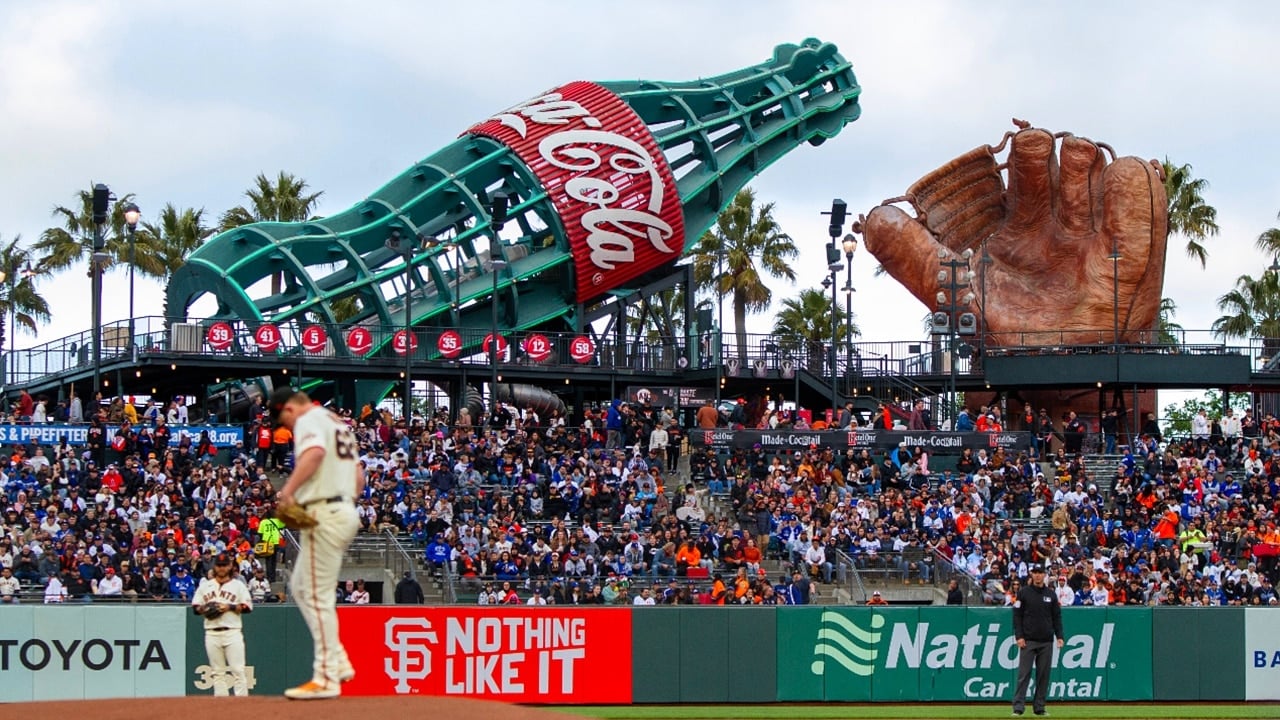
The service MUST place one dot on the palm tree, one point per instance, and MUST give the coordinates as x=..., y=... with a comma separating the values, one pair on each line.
x=804, y=322
x=22, y=306
x=1167, y=329
x=165, y=245
x=1189, y=215
x=68, y=244
x=1252, y=310
x=752, y=245
x=1269, y=241
x=284, y=200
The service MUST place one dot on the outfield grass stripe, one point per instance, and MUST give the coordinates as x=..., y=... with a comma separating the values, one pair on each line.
x=974, y=711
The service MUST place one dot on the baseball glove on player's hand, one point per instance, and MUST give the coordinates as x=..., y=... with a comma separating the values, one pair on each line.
x=212, y=611
x=294, y=517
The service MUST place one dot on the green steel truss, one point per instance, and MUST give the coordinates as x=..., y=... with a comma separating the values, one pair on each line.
x=717, y=134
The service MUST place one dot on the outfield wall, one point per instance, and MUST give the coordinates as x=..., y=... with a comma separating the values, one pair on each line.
x=571, y=655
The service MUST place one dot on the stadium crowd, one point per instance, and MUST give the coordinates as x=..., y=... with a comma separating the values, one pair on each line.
x=522, y=507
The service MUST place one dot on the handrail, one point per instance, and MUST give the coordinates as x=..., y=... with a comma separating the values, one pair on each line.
x=845, y=568
x=945, y=570
x=398, y=557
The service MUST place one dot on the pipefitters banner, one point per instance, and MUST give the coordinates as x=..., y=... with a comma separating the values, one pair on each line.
x=860, y=439
x=53, y=433
x=525, y=654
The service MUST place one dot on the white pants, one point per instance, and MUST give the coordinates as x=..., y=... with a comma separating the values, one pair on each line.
x=314, y=584
x=226, y=656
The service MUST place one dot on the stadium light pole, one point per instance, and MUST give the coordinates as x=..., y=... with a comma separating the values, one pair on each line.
x=101, y=209
x=839, y=208
x=497, y=218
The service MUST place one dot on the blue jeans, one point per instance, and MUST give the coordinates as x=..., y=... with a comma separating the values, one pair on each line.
x=1111, y=444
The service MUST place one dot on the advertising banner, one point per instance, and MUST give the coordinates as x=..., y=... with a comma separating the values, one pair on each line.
x=1262, y=654
x=656, y=395
x=52, y=434
x=954, y=654
x=864, y=438
x=519, y=654
x=89, y=651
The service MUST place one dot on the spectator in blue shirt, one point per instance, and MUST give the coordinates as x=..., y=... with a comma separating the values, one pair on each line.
x=181, y=584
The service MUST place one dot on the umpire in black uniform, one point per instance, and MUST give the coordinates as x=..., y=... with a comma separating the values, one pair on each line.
x=1037, y=624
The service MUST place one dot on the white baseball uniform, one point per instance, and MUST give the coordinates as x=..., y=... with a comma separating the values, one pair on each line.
x=329, y=497
x=223, y=635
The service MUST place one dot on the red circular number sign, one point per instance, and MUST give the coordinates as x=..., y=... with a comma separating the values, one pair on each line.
x=359, y=340
x=402, y=338
x=314, y=339
x=502, y=345
x=449, y=344
x=219, y=336
x=268, y=337
x=537, y=347
x=582, y=349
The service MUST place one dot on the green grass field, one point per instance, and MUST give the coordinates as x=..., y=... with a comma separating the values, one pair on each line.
x=1099, y=711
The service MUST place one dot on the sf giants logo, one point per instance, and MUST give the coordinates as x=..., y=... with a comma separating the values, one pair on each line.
x=408, y=638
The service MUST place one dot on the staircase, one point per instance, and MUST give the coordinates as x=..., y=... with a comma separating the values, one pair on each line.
x=1102, y=472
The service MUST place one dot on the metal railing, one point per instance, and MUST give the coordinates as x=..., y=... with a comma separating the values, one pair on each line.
x=846, y=574
x=945, y=570
x=301, y=341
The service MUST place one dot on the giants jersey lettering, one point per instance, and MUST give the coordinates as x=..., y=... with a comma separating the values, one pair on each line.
x=336, y=476
x=232, y=593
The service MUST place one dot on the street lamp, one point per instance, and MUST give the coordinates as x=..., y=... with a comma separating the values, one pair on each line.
x=850, y=246
x=406, y=246
x=131, y=217
x=949, y=319
x=497, y=218
x=101, y=207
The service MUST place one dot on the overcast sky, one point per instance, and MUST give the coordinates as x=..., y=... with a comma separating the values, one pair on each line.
x=186, y=103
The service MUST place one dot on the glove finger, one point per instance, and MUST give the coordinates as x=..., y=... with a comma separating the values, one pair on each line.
x=1135, y=223
x=962, y=201
x=1080, y=185
x=1033, y=175
x=906, y=249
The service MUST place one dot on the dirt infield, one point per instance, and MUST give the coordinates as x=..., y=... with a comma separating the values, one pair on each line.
x=280, y=708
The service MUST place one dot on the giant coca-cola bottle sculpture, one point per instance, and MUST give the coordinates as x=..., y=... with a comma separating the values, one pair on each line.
x=605, y=183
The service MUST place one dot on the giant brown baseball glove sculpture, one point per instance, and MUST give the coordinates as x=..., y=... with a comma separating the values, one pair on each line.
x=1050, y=234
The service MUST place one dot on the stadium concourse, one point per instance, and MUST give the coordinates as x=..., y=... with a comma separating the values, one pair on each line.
x=612, y=509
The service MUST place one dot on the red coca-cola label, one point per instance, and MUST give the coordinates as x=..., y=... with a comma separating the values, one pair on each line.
x=537, y=347
x=268, y=338
x=449, y=344
x=605, y=174
x=314, y=339
x=220, y=336
x=359, y=340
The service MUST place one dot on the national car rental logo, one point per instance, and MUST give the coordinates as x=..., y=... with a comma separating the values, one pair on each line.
x=848, y=644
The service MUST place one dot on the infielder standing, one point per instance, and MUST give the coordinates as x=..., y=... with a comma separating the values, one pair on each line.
x=221, y=600
x=325, y=483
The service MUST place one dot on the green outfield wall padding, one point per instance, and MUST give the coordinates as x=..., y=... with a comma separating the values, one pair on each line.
x=277, y=651
x=655, y=655
x=753, y=667
x=704, y=646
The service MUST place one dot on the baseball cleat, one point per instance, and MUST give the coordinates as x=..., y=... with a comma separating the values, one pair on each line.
x=312, y=690
x=347, y=674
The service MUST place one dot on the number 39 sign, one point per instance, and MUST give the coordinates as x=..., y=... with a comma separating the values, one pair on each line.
x=219, y=336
